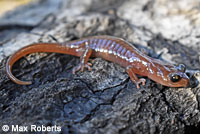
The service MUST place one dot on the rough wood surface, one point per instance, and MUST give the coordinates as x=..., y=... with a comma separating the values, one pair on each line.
x=103, y=100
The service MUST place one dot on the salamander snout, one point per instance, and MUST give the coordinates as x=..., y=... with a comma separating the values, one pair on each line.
x=179, y=79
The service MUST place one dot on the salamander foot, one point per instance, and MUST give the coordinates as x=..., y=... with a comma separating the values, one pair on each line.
x=82, y=67
x=140, y=81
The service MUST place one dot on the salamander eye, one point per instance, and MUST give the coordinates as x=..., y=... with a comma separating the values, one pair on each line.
x=181, y=67
x=175, y=77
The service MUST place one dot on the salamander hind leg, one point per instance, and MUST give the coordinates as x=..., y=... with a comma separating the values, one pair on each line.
x=84, y=62
x=135, y=79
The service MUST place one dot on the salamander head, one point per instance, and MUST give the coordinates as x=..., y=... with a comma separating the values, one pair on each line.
x=173, y=76
x=178, y=79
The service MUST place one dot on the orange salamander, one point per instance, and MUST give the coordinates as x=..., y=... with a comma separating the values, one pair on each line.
x=112, y=49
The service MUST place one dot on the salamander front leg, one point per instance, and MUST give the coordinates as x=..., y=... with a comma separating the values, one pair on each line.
x=135, y=79
x=84, y=62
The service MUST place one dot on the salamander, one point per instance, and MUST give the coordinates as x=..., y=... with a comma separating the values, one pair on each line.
x=112, y=49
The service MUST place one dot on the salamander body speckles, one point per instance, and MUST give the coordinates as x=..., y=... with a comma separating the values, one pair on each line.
x=113, y=48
